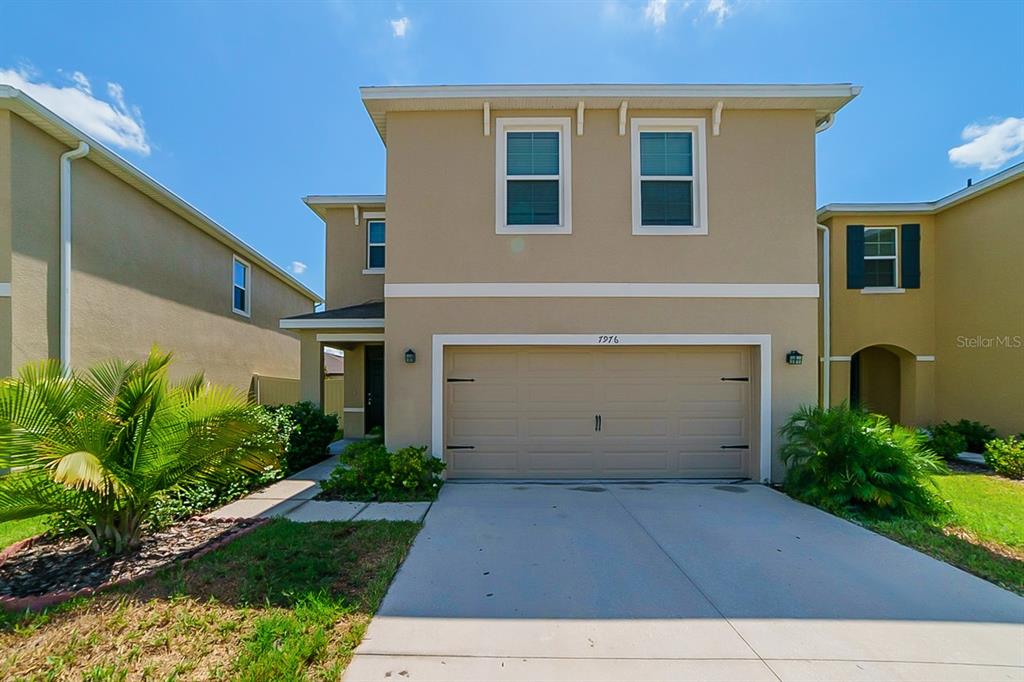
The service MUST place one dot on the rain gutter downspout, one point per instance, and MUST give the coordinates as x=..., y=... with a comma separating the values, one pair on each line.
x=826, y=319
x=65, y=251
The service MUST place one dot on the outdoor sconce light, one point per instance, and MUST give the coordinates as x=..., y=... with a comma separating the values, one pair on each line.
x=410, y=356
x=794, y=357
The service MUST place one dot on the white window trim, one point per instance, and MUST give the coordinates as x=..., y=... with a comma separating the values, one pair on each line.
x=763, y=343
x=696, y=126
x=895, y=287
x=375, y=217
x=248, y=287
x=561, y=125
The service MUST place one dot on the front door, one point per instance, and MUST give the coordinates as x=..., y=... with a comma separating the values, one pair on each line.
x=374, y=364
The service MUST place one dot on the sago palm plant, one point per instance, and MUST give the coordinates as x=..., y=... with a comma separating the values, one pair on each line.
x=846, y=460
x=99, y=448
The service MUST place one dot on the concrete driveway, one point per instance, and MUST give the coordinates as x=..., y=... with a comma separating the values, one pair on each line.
x=676, y=581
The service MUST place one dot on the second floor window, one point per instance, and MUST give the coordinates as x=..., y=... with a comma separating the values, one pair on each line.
x=880, y=257
x=240, y=302
x=533, y=176
x=669, y=186
x=375, y=239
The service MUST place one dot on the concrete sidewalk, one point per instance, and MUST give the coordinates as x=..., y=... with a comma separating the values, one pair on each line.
x=676, y=581
x=292, y=498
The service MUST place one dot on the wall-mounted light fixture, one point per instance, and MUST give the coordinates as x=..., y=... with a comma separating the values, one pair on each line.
x=794, y=357
x=410, y=356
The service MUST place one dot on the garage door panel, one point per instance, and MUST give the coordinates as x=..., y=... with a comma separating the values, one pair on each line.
x=665, y=412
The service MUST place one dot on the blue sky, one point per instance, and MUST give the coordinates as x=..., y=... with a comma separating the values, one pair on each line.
x=243, y=108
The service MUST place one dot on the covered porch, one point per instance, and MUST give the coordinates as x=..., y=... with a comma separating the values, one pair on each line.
x=358, y=332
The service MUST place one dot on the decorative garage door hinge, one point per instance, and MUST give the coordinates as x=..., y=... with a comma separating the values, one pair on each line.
x=460, y=447
x=735, y=447
x=457, y=380
x=735, y=378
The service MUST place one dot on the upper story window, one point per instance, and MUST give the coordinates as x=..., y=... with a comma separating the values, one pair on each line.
x=533, y=186
x=669, y=176
x=375, y=245
x=240, y=287
x=881, y=257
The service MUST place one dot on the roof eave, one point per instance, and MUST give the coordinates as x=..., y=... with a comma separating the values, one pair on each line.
x=319, y=203
x=35, y=113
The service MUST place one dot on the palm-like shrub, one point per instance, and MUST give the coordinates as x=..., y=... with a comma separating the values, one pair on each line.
x=847, y=460
x=100, y=448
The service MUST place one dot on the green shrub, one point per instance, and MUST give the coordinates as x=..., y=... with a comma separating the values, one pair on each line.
x=310, y=432
x=846, y=460
x=99, y=449
x=975, y=433
x=369, y=472
x=946, y=441
x=186, y=502
x=1006, y=456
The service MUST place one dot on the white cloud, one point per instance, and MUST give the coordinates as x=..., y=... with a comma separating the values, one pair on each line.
x=400, y=26
x=719, y=9
x=114, y=123
x=989, y=146
x=655, y=12
x=298, y=267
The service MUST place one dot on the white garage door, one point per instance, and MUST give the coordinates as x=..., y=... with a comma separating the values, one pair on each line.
x=586, y=412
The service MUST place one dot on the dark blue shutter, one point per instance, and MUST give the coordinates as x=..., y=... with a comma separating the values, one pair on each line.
x=854, y=256
x=910, y=247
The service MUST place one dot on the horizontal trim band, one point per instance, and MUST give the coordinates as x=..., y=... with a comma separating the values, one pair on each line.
x=351, y=338
x=353, y=409
x=599, y=290
x=5, y=289
x=365, y=323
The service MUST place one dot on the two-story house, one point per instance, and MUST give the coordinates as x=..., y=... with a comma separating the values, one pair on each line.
x=927, y=305
x=580, y=280
x=99, y=260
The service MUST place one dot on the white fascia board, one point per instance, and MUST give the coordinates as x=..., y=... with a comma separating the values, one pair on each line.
x=364, y=323
x=47, y=121
x=926, y=207
x=608, y=90
x=344, y=199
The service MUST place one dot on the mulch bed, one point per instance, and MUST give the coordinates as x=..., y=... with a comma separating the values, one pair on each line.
x=49, y=570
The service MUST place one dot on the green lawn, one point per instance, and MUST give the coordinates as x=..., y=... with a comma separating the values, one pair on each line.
x=983, y=533
x=990, y=507
x=12, y=531
x=289, y=601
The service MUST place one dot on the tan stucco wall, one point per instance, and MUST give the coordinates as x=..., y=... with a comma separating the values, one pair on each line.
x=141, y=275
x=968, y=313
x=904, y=319
x=413, y=322
x=441, y=180
x=346, y=259
x=979, y=322
x=5, y=241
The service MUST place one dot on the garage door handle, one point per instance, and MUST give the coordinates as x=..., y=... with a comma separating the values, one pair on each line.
x=597, y=422
x=460, y=447
x=735, y=447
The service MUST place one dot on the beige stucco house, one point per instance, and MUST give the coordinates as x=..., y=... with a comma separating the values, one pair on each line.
x=927, y=305
x=580, y=280
x=97, y=260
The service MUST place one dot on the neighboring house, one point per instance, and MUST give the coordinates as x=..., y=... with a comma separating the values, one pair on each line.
x=580, y=280
x=143, y=266
x=927, y=305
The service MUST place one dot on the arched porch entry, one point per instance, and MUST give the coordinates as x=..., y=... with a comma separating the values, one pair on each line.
x=883, y=380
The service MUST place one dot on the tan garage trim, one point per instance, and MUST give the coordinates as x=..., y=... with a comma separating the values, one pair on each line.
x=761, y=343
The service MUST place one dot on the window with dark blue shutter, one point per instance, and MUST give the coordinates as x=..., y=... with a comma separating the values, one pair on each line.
x=910, y=255
x=854, y=256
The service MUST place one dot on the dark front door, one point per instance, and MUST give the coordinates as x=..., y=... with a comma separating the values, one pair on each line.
x=374, y=415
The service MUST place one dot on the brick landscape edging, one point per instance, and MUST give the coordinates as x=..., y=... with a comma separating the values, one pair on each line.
x=42, y=601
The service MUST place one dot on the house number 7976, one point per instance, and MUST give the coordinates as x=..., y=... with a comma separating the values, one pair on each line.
x=607, y=339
